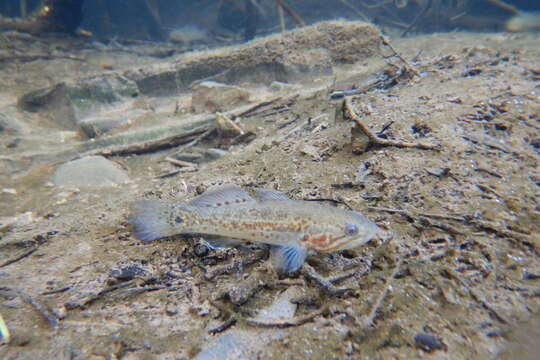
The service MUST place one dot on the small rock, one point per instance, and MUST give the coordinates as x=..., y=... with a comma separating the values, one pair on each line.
x=201, y=250
x=128, y=273
x=210, y=96
x=311, y=151
x=428, y=342
x=213, y=153
x=9, y=124
x=278, y=86
x=97, y=126
x=89, y=171
x=53, y=101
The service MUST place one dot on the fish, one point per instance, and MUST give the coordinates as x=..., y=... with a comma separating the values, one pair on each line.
x=228, y=216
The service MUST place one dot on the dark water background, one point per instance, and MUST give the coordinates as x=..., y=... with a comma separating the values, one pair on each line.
x=155, y=19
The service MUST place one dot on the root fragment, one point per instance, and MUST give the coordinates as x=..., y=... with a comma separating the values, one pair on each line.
x=369, y=139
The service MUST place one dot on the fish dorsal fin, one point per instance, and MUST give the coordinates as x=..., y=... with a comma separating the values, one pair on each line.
x=226, y=195
x=288, y=259
x=264, y=194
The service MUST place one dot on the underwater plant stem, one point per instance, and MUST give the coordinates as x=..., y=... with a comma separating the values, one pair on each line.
x=297, y=19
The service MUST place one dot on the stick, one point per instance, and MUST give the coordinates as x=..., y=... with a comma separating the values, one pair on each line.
x=227, y=324
x=297, y=19
x=407, y=64
x=505, y=6
x=281, y=18
x=368, y=320
x=48, y=315
x=354, y=10
x=150, y=145
x=413, y=214
x=467, y=220
x=180, y=163
x=258, y=106
x=23, y=8
x=18, y=258
x=374, y=139
x=331, y=290
x=294, y=321
x=416, y=18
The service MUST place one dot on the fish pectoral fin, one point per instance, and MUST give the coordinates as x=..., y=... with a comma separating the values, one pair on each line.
x=264, y=194
x=217, y=242
x=288, y=259
x=226, y=195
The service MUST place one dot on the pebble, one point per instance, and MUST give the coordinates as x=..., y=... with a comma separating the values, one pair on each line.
x=128, y=272
x=90, y=171
x=428, y=342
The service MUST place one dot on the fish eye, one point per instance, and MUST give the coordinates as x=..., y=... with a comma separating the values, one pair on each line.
x=351, y=229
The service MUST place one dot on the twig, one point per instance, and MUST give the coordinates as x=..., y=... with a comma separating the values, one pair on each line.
x=92, y=298
x=151, y=145
x=487, y=189
x=281, y=16
x=448, y=228
x=227, y=268
x=227, y=324
x=294, y=321
x=386, y=42
x=56, y=291
x=297, y=19
x=48, y=315
x=18, y=258
x=477, y=297
x=368, y=320
x=505, y=6
x=331, y=290
x=258, y=106
x=180, y=163
x=138, y=290
x=348, y=112
x=416, y=18
x=415, y=214
x=354, y=10
x=465, y=219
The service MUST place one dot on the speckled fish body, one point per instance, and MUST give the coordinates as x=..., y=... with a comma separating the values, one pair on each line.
x=292, y=226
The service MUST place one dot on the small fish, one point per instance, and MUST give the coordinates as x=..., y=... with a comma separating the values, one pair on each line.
x=229, y=215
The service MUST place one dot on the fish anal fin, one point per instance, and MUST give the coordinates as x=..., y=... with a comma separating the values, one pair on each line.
x=216, y=242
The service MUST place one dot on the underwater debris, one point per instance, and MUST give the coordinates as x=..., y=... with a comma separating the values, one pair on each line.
x=362, y=137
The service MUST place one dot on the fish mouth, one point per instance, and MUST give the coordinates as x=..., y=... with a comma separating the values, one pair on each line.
x=347, y=242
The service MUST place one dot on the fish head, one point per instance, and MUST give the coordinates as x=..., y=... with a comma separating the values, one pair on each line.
x=344, y=230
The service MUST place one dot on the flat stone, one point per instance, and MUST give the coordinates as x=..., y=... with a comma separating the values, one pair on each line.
x=54, y=102
x=89, y=171
x=211, y=96
x=107, y=122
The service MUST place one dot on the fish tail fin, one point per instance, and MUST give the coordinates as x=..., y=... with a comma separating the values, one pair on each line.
x=152, y=219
